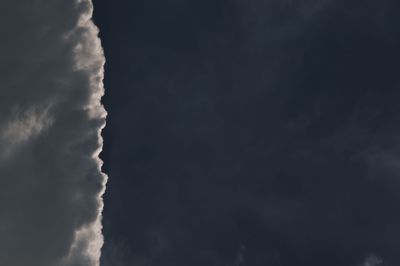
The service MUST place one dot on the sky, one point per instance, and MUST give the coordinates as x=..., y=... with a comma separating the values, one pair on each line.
x=224, y=133
x=251, y=133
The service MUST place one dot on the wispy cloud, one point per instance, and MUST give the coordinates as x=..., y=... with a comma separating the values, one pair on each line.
x=372, y=260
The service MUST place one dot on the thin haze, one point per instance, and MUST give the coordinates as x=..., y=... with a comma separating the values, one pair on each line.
x=51, y=118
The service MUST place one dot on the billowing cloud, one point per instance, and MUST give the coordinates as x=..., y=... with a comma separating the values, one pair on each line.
x=51, y=118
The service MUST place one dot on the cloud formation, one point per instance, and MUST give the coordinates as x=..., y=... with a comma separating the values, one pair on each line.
x=51, y=118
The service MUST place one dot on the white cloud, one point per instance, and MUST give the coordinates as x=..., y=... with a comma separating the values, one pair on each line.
x=51, y=117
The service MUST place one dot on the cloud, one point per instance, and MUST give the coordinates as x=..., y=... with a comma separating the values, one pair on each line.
x=51, y=118
x=372, y=260
x=22, y=127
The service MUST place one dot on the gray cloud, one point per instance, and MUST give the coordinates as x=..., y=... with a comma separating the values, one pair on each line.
x=51, y=117
x=372, y=260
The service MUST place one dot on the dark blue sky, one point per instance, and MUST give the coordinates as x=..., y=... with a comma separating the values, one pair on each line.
x=251, y=133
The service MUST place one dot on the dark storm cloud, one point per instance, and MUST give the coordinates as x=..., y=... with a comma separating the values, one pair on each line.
x=253, y=132
x=50, y=121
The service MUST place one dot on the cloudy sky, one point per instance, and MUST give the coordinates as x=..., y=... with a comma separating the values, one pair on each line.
x=239, y=133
